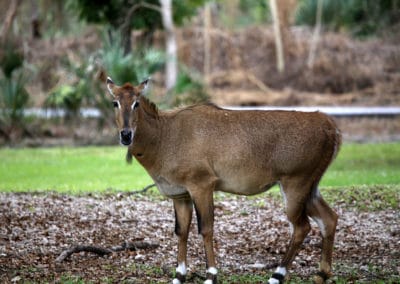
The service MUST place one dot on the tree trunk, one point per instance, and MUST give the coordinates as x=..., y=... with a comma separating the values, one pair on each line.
x=316, y=35
x=9, y=19
x=171, y=69
x=280, y=58
x=282, y=11
x=207, y=41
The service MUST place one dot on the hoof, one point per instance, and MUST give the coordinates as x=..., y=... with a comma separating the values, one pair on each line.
x=211, y=276
x=211, y=279
x=179, y=279
x=276, y=278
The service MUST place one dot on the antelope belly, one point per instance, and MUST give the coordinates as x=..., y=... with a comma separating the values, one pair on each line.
x=169, y=189
x=244, y=186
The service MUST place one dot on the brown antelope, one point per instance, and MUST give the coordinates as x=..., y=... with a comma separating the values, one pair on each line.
x=193, y=151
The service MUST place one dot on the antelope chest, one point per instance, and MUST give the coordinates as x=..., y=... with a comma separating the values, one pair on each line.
x=169, y=189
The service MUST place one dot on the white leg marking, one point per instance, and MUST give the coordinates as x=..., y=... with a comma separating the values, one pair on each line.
x=273, y=281
x=281, y=270
x=321, y=225
x=285, y=201
x=212, y=270
x=291, y=228
x=181, y=268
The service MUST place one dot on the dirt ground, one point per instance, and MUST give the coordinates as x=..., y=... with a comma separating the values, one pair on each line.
x=250, y=237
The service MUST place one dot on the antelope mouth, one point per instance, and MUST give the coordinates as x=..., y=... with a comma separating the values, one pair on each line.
x=126, y=142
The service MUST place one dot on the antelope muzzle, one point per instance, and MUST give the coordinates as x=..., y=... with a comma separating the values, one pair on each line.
x=126, y=137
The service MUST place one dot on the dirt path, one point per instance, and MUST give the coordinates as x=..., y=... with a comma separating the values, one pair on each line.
x=251, y=234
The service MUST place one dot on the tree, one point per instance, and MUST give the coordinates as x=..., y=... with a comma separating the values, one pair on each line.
x=282, y=12
x=359, y=17
x=126, y=15
x=9, y=19
x=171, y=69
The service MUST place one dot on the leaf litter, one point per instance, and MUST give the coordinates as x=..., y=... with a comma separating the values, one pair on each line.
x=251, y=235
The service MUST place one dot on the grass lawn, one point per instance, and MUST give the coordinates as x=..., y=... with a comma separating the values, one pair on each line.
x=99, y=169
x=69, y=170
x=365, y=164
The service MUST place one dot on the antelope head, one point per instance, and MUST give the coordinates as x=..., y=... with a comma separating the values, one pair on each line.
x=126, y=102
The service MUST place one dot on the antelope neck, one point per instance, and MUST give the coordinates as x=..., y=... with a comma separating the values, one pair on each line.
x=147, y=138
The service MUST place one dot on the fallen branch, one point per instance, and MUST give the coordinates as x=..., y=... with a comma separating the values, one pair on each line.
x=144, y=190
x=132, y=246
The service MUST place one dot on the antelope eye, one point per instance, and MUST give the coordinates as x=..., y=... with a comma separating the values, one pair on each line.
x=116, y=104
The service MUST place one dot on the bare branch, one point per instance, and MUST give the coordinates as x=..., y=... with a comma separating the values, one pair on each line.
x=105, y=251
x=79, y=248
x=144, y=190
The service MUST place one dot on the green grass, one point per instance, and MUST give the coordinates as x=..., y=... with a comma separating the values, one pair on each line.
x=365, y=164
x=98, y=169
x=69, y=170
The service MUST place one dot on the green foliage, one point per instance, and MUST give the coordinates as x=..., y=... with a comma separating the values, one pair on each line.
x=11, y=59
x=13, y=96
x=133, y=67
x=243, y=13
x=144, y=17
x=13, y=100
x=71, y=97
x=189, y=89
x=360, y=17
x=253, y=12
x=87, y=89
x=66, y=96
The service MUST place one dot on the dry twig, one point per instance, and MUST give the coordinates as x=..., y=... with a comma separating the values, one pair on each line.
x=105, y=251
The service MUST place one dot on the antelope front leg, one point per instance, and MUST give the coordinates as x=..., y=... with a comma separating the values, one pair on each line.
x=204, y=206
x=183, y=217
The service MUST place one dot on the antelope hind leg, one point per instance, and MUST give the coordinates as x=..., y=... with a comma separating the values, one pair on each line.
x=299, y=225
x=326, y=219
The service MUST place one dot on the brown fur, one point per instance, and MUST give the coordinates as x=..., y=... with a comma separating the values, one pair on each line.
x=192, y=152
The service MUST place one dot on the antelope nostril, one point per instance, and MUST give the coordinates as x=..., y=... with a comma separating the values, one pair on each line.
x=126, y=134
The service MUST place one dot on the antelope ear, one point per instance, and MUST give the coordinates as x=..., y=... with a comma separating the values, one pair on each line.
x=143, y=86
x=110, y=86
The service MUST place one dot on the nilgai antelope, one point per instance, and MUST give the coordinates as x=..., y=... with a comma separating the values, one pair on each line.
x=193, y=151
